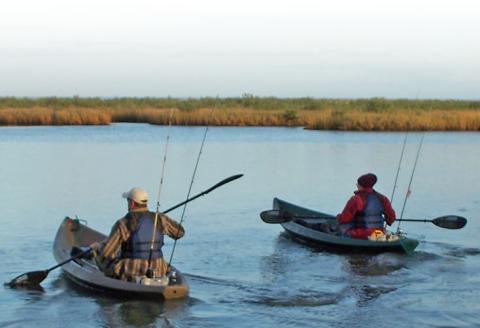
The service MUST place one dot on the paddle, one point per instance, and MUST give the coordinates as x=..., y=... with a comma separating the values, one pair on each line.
x=447, y=221
x=221, y=183
x=33, y=278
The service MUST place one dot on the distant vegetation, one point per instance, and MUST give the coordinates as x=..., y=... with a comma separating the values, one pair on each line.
x=374, y=114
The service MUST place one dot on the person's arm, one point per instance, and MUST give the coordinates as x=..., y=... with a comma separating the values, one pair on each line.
x=388, y=211
x=354, y=204
x=113, y=244
x=171, y=228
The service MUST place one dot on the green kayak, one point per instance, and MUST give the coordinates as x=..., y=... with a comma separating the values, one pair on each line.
x=321, y=229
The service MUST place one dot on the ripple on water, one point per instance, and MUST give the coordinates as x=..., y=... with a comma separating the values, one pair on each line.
x=16, y=323
x=367, y=293
x=270, y=295
x=216, y=281
x=457, y=251
x=463, y=252
x=295, y=299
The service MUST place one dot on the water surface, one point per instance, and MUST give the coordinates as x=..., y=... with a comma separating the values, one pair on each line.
x=242, y=272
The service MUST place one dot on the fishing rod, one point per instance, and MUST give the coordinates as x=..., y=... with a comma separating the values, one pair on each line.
x=399, y=165
x=188, y=194
x=409, y=191
x=149, y=272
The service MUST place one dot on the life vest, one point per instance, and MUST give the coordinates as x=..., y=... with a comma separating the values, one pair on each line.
x=370, y=217
x=372, y=214
x=138, y=246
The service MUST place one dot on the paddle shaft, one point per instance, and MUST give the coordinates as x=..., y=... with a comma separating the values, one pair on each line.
x=447, y=222
x=221, y=183
x=332, y=217
x=415, y=220
x=79, y=255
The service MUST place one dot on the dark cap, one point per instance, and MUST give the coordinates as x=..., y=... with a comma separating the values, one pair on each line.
x=367, y=180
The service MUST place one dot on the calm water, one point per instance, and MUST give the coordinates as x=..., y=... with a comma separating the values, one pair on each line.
x=242, y=272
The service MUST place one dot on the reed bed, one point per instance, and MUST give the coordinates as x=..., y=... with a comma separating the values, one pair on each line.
x=397, y=120
x=328, y=119
x=376, y=114
x=204, y=116
x=48, y=116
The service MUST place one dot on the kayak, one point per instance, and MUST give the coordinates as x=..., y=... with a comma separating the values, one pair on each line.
x=85, y=273
x=321, y=229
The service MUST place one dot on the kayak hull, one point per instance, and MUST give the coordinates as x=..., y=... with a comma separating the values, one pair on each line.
x=85, y=273
x=321, y=229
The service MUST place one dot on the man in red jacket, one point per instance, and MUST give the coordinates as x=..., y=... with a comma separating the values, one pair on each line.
x=366, y=211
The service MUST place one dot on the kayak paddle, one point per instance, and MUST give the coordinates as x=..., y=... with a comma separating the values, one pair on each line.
x=34, y=278
x=447, y=221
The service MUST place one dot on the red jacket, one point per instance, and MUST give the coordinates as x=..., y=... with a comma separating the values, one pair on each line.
x=355, y=204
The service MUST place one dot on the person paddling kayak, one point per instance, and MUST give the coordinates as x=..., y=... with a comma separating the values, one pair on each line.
x=125, y=253
x=366, y=211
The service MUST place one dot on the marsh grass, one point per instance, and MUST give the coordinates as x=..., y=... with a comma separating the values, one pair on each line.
x=48, y=116
x=375, y=114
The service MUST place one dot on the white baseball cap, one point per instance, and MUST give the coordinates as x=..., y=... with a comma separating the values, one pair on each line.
x=138, y=195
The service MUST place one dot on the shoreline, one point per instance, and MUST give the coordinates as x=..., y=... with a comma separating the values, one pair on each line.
x=375, y=114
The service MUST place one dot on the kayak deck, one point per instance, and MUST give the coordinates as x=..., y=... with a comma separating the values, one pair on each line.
x=85, y=272
x=321, y=229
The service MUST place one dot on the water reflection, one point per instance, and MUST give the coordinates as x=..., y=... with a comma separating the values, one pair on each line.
x=374, y=265
x=117, y=312
x=276, y=265
x=290, y=277
x=137, y=313
x=29, y=293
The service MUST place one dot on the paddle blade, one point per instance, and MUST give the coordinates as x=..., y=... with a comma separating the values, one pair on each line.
x=224, y=181
x=274, y=216
x=28, y=279
x=450, y=222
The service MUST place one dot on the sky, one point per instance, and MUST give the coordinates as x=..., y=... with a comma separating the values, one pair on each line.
x=227, y=48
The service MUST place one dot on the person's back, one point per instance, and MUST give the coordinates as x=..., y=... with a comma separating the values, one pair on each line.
x=140, y=244
x=366, y=211
x=126, y=252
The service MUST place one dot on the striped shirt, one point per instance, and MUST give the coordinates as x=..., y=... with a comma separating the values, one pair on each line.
x=109, y=257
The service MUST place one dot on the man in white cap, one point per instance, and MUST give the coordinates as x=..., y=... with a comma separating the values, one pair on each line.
x=129, y=251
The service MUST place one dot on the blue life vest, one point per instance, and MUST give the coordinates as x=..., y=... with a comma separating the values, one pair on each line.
x=138, y=247
x=372, y=214
x=370, y=217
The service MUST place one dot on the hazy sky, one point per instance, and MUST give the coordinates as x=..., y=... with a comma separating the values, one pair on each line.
x=283, y=48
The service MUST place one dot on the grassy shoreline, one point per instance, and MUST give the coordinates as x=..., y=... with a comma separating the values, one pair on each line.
x=374, y=114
